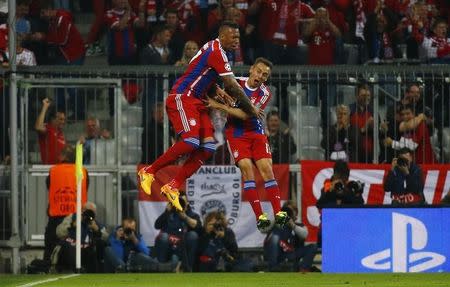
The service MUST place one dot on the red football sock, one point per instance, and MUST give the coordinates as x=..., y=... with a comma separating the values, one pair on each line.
x=252, y=196
x=191, y=165
x=170, y=156
x=273, y=191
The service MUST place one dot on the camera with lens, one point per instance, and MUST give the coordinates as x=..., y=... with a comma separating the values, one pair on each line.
x=128, y=231
x=339, y=189
x=218, y=227
x=87, y=216
x=355, y=187
x=402, y=161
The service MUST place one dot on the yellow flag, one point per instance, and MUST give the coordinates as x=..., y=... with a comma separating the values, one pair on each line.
x=79, y=162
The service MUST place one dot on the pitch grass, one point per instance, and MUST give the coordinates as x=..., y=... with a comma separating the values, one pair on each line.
x=233, y=279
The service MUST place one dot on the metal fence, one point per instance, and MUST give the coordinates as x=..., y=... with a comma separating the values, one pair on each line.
x=126, y=106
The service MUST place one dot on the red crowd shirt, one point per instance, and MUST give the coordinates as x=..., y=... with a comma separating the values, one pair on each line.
x=424, y=151
x=321, y=48
x=189, y=19
x=50, y=144
x=279, y=20
x=63, y=33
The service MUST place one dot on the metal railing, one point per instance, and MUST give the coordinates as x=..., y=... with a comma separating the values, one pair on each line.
x=127, y=101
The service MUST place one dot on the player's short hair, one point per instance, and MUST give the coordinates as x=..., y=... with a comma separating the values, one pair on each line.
x=272, y=113
x=171, y=11
x=404, y=150
x=413, y=84
x=52, y=111
x=341, y=170
x=68, y=154
x=228, y=24
x=264, y=61
x=362, y=86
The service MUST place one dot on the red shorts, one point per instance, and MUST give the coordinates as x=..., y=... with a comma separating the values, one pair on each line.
x=254, y=147
x=189, y=116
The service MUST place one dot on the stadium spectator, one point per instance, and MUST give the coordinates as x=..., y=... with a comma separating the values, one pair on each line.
x=92, y=132
x=121, y=21
x=93, y=240
x=63, y=35
x=339, y=141
x=127, y=250
x=281, y=142
x=322, y=36
x=62, y=193
x=178, y=237
x=382, y=43
x=209, y=65
x=436, y=49
x=217, y=242
x=405, y=180
x=361, y=117
x=216, y=16
x=95, y=32
x=288, y=243
x=51, y=136
x=157, y=51
x=338, y=191
x=189, y=51
x=280, y=35
x=177, y=40
x=414, y=135
x=24, y=57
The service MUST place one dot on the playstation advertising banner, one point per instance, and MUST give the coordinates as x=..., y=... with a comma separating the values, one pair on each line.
x=212, y=188
x=436, y=178
x=386, y=240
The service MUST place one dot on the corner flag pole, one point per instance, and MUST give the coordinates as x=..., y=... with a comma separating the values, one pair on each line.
x=79, y=177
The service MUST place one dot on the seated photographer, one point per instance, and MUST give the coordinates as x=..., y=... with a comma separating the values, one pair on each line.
x=127, y=250
x=218, y=241
x=287, y=243
x=405, y=180
x=338, y=190
x=93, y=239
x=178, y=236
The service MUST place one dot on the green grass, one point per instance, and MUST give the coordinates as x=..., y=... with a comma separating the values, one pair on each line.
x=234, y=279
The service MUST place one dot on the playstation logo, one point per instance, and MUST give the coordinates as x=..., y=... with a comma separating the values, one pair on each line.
x=397, y=258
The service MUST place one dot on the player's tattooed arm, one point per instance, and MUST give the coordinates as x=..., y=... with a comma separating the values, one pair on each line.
x=235, y=90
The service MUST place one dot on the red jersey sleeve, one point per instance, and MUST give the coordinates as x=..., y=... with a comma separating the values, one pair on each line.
x=219, y=62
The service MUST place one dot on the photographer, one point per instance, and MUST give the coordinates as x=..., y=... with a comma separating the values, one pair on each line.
x=287, y=243
x=218, y=241
x=93, y=238
x=339, y=190
x=127, y=250
x=178, y=236
x=404, y=180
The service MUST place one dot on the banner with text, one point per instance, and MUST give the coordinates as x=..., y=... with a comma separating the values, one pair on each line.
x=314, y=173
x=211, y=188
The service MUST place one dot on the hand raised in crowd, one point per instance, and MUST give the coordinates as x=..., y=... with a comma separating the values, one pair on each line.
x=105, y=134
x=93, y=225
x=384, y=126
x=46, y=103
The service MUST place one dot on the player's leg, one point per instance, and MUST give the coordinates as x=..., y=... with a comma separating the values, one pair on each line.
x=200, y=155
x=201, y=127
x=178, y=113
x=263, y=161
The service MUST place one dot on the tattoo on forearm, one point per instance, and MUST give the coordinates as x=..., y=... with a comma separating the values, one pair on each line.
x=244, y=101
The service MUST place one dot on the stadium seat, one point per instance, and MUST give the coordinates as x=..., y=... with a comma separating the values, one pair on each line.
x=310, y=136
x=131, y=116
x=314, y=153
x=310, y=116
x=446, y=144
x=103, y=152
x=131, y=155
x=132, y=136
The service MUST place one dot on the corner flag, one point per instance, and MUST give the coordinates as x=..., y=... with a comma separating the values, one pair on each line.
x=79, y=176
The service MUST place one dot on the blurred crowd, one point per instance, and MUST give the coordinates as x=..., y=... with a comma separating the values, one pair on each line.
x=167, y=32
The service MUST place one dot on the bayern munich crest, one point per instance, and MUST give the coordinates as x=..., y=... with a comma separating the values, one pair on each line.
x=216, y=188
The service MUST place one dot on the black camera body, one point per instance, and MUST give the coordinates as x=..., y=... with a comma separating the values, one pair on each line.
x=218, y=227
x=356, y=187
x=402, y=161
x=339, y=189
x=128, y=231
x=88, y=216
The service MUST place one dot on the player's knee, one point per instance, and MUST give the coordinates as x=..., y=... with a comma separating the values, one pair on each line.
x=209, y=147
x=193, y=142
